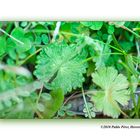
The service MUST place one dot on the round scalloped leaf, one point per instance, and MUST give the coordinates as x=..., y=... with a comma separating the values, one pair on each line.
x=114, y=90
x=62, y=65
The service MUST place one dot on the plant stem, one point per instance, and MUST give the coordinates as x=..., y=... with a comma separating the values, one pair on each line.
x=77, y=35
x=8, y=28
x=16, y=24
x=138, y=53
x=39, y=95
x=129, y=72
x=11, y=37
x=131, y=31
x=87, y=108
x=30, y=56
x=90, y=58
x=116, y=43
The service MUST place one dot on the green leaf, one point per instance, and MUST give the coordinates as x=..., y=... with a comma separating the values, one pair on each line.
x=62, y=65
x=61, y=113
x=45, y=39
x=53, y=105
x=91, y=109
x=126, y=45
x=7, y=103
x=1, y=106
x=113, y=91
x=2, y=45
x=110, y=29
x=118, y=23
x=100, y=50
x=15, y=94
x=46, y=96
x=130, y=65
x=24, y=23
x=26, y=46
x=68, y=106
x=135, y=83
x=18, y=33
x=95, y=25
x=16, y=99
x=23, y=110
x=40, y=107
x=38, y=40
x=1, y=24
x=22, y=44
x=70, y=113
x=25, y=94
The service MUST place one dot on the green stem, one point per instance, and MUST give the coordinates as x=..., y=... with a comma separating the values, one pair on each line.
x=76, y=35
x=11, y=36
x=21, y=63
x=8, y=28
x=39, y=95
x=16, y=24
x=136, y=29
x=138, y=53
x=126, y=67
x=129, y=30
x=79, y=35
x=87, y=108
x=27, y=27
x=90, y=58
x=129, y=72
x=117, y=44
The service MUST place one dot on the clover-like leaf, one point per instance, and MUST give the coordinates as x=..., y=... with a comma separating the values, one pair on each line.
x=94, y=25
x=113, y=91
x=62, y=65
x=21, y=44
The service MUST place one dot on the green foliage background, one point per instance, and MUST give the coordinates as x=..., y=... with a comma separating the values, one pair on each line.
x=47, y=67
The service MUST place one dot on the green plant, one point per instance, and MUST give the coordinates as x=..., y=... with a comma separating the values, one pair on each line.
x=114, y=90
x=53, y=105
x=91, y=109
x=62, y=64
x=65, y=111
x=96, y=25
x=95, y=65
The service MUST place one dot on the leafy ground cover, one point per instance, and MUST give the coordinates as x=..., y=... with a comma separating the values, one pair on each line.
x=64, y=70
